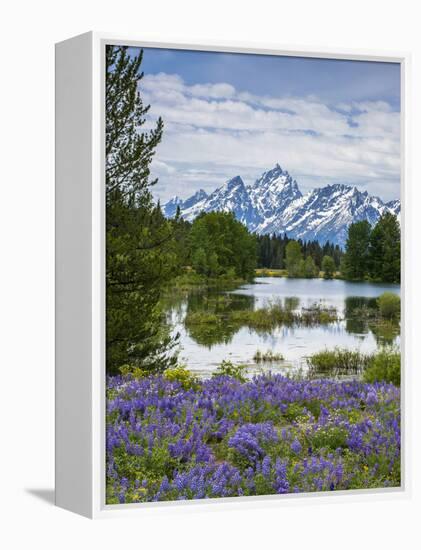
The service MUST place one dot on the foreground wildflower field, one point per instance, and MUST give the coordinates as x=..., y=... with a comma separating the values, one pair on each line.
x=223, y=437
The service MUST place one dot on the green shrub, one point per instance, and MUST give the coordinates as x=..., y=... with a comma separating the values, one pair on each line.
x=294, y=411
x=263, y=486
x=329, y=437
x=132, y=370
x=385, y=366
x=227, y=368
x=180, y=374
x=389, y=305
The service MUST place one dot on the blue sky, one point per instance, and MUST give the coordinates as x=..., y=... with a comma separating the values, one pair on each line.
x=325, y=121
x=331, y=80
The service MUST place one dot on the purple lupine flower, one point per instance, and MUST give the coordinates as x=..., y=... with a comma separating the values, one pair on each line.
x=151, y=414
x=249, y=438
x=296, y=446
x=266, y=466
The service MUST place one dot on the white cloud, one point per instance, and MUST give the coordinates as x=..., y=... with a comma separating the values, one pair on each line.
x=221, y=90
x=163, y=168
x=231, y=132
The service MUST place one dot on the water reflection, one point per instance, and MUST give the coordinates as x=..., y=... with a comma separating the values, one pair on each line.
x=361, y=316
x=204, y=344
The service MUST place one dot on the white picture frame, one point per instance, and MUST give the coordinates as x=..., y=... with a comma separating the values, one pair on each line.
x=80, y=276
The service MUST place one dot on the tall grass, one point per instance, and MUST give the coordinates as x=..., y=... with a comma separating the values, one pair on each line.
x=267, y=356
x=266, y=318
x=337, y=362
x=383, y=366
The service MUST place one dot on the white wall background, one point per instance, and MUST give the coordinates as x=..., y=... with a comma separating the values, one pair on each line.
x=28, y=32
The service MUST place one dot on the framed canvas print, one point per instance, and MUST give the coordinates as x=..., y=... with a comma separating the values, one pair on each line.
x=230, y=274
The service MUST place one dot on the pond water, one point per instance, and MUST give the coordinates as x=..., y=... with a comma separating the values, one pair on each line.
x=203, y=347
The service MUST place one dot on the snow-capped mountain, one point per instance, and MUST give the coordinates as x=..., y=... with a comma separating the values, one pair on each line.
x=275, y=204
x=273, y=192
x=324, y=214
x=170, y=208
x=395, y=207
x=233, y=196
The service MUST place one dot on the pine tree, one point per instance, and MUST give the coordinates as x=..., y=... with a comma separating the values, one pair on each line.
x=355, y=263
x=199, y=261
x=310, y=269
x=139, y=241
x=328, y=267
x=272, y=248
x=293, y=259
x=385, y=250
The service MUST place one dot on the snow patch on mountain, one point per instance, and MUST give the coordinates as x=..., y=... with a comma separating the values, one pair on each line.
x=230, y=197
x=273, y=192
x=170, y=208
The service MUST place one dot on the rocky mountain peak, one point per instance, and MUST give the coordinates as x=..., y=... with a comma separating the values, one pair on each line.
x=273, y=203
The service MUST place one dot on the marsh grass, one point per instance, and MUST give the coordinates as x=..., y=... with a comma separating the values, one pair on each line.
x=318, y=315
x=267, y=356
x=337, y=362
x=269, y=317
x=383, y=366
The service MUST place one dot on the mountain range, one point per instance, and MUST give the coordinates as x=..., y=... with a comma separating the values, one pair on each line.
x=275, y=204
